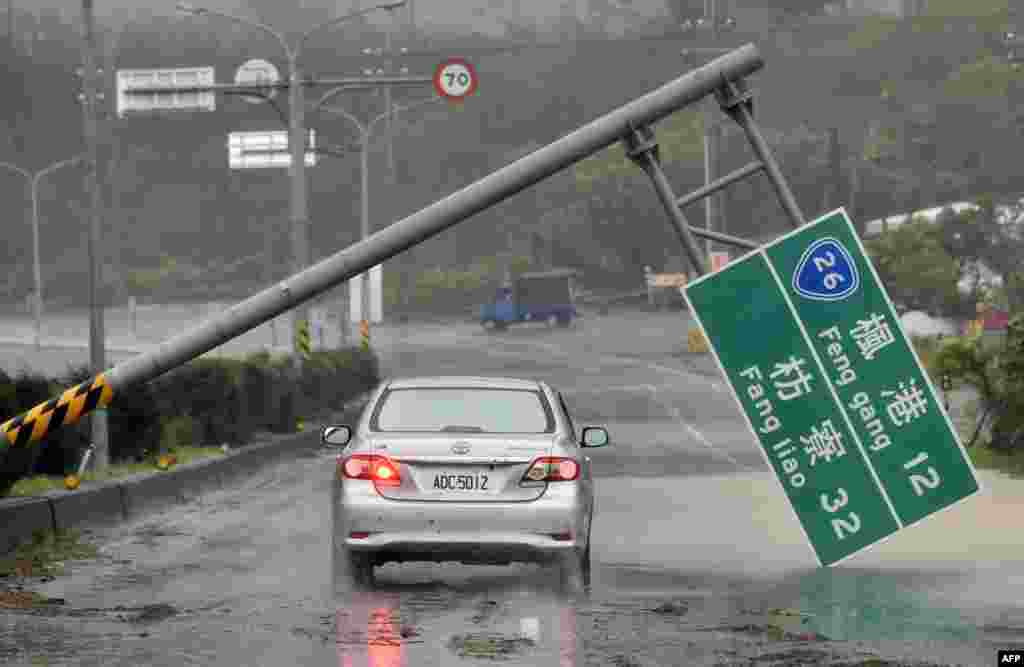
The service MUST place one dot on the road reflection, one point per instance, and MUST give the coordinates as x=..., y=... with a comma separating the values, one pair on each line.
x=866, y=604
x=390, y=629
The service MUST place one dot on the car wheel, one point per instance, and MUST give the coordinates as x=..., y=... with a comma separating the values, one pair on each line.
x=489, y=325
x=574, y=571
x=585, y=565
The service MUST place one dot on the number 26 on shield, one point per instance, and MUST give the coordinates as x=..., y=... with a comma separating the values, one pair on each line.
x=832, y=279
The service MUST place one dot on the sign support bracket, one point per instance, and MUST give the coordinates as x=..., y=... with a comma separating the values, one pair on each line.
x=736, y=100
x=642, y=149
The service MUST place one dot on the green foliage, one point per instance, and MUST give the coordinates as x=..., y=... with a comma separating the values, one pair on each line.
x=988, y=77
x=177, y=432
x=454, y=290
x=519, y=264
x=680, y=138
x=987, y=14
x=998, y=375
x=916, y=269
x=873, y=32
x=47, y=551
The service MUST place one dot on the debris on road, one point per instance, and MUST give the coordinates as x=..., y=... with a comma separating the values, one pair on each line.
x=154, y=613
x=672, y=609
x=487, y=646
x=20, y=599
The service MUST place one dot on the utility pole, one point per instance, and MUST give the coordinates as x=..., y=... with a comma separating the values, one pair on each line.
x=301, y=231
x=365, y=130
x=711, y=150
x=301, y=237
x=97, y=335
x=388, y=53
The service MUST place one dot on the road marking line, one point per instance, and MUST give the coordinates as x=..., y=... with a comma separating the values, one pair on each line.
x=612, y=359
x=693, y=431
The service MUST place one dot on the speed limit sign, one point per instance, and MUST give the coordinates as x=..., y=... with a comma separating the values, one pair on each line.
x=455, y=79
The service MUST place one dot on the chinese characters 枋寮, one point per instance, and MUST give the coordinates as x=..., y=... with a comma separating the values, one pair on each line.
x=824, y=442
x=791, y=387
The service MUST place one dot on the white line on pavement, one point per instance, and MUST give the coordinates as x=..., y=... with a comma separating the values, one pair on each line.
x=613, y=359
x=693, y=431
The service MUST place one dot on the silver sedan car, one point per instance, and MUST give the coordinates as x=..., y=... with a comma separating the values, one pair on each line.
x=467, y=469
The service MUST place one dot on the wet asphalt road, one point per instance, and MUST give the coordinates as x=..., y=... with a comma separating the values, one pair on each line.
x=694, y=546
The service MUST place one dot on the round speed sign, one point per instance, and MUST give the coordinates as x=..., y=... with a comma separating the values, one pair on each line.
x=455, y=79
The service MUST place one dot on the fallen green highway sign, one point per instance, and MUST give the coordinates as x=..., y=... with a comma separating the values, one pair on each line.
x=831, y=387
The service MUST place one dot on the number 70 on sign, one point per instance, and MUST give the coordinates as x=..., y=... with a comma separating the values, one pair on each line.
x=455, y=79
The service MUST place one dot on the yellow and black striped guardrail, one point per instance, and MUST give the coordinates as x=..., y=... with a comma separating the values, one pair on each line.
x=303, y=342
x=364, y=334
x=47, y=417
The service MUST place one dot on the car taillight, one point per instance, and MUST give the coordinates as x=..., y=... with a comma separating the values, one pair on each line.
x=552, y=469
x=373, y=467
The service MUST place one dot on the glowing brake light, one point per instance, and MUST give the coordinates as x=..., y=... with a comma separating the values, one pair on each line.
x=373, y=467
x=552, y=469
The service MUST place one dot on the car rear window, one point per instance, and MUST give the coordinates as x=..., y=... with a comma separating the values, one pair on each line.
x=463, y=410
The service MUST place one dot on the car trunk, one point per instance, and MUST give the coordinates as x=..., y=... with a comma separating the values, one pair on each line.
x=462, y=467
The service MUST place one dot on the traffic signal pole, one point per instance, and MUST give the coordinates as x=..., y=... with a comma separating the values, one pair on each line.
x=622, y=124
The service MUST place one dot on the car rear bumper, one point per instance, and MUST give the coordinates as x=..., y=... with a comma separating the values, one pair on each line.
x=479, y=532
x=491, y=548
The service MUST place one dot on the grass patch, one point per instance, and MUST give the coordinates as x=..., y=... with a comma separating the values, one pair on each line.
x=46, y=553
x=980, y=454
x=39, y=484
x=984, y=458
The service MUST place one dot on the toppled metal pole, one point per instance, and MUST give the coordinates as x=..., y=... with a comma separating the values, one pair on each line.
x=35, y=424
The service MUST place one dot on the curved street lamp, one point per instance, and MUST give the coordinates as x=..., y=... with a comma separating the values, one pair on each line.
x=302, y=248
x=365, y=131
x=33, y=181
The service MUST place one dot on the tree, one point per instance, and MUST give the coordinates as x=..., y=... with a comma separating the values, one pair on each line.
x=988, y=236
x=917, y=270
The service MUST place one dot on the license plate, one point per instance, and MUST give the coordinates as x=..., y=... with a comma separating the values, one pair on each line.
x=462, y=482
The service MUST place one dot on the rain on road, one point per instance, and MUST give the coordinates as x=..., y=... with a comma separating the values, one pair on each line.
x=695, y=550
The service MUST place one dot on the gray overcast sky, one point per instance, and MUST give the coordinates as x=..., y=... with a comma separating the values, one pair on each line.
x=481, y=15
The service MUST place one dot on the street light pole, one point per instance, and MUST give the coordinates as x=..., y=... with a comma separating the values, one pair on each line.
x=365, y=132
x=301, y=230
x=33, y=182
x=97, y=336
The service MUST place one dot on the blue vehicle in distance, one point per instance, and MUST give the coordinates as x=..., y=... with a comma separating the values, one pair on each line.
x=545, y=296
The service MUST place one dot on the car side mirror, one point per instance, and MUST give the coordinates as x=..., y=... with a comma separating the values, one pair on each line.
x=594, y=436
x=336, y=436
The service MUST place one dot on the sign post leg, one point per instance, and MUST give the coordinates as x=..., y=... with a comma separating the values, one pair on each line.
x=642, y=148
x=736, y=100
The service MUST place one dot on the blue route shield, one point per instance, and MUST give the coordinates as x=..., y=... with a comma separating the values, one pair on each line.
x=826, y=272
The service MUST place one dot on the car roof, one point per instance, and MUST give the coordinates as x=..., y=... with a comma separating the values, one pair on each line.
x=468, y=381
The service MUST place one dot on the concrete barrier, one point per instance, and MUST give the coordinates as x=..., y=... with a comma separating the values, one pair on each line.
x=152, y=492
x=107, y=503
x=98, y=505
x=247, y=460
x=20, y=517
